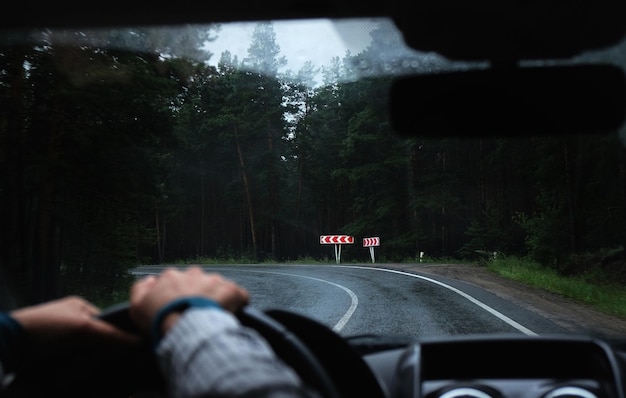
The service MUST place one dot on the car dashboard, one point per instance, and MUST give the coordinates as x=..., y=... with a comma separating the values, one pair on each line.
x=506, y=366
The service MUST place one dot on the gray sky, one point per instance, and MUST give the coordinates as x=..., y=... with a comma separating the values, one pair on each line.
x=315, y=40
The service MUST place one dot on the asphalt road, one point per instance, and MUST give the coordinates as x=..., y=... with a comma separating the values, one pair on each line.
x=363, y=299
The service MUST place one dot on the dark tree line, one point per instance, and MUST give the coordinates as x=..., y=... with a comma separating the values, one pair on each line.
x=112, y=158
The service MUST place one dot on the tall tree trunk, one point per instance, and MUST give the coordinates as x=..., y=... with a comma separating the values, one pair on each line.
x=246, y=187
x=569, y=191
x=13, y=237
x=622, y=173
x=46, y=258
x=297, y=238
x=414, y=170
x=159, y=239
x=273, y=195
x=443, y=221
x=202, y=216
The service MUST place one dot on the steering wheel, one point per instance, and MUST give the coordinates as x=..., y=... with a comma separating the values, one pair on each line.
x=112, y=371
x=290, y=348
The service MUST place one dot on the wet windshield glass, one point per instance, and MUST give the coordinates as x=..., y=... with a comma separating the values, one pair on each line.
x=269, y=143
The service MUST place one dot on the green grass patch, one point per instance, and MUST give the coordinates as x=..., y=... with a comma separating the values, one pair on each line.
x=592, y=288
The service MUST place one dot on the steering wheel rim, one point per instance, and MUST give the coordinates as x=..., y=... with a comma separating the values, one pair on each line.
x=290, y=348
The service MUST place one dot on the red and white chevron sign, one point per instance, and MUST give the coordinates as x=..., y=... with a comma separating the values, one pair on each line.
x=369, y=242
x=336, y=239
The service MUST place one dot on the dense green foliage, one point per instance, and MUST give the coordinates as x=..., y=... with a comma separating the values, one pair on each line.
x=111, y=158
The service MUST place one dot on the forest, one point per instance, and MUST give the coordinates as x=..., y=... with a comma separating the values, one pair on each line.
x=113, y=157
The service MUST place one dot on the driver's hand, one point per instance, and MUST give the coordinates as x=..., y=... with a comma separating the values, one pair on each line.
x=151, y=293
x=67, y=319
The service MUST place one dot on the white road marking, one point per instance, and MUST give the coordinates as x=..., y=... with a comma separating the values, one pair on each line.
x=479, y=303
x=355, y=301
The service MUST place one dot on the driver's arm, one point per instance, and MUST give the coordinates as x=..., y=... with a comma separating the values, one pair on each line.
x=209, y=352
x=53, y=323
x=202, y=348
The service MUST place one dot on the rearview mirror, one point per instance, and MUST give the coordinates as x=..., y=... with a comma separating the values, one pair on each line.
x=538, y=100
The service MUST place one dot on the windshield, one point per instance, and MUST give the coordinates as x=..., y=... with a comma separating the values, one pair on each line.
x=265, y=150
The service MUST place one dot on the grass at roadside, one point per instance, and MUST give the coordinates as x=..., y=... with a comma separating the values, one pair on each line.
x=592, y=288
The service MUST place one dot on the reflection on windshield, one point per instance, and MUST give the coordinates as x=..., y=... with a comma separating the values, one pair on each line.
x=146, y=145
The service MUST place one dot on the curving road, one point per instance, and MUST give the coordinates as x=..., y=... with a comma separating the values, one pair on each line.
x=354, y=299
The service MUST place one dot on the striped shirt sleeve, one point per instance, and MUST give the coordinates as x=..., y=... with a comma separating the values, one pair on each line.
x=209, y=353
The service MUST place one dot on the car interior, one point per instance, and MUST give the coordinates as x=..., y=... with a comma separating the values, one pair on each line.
x=525, y=74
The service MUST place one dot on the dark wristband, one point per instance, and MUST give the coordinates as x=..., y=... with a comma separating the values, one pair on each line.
x=178, y=305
